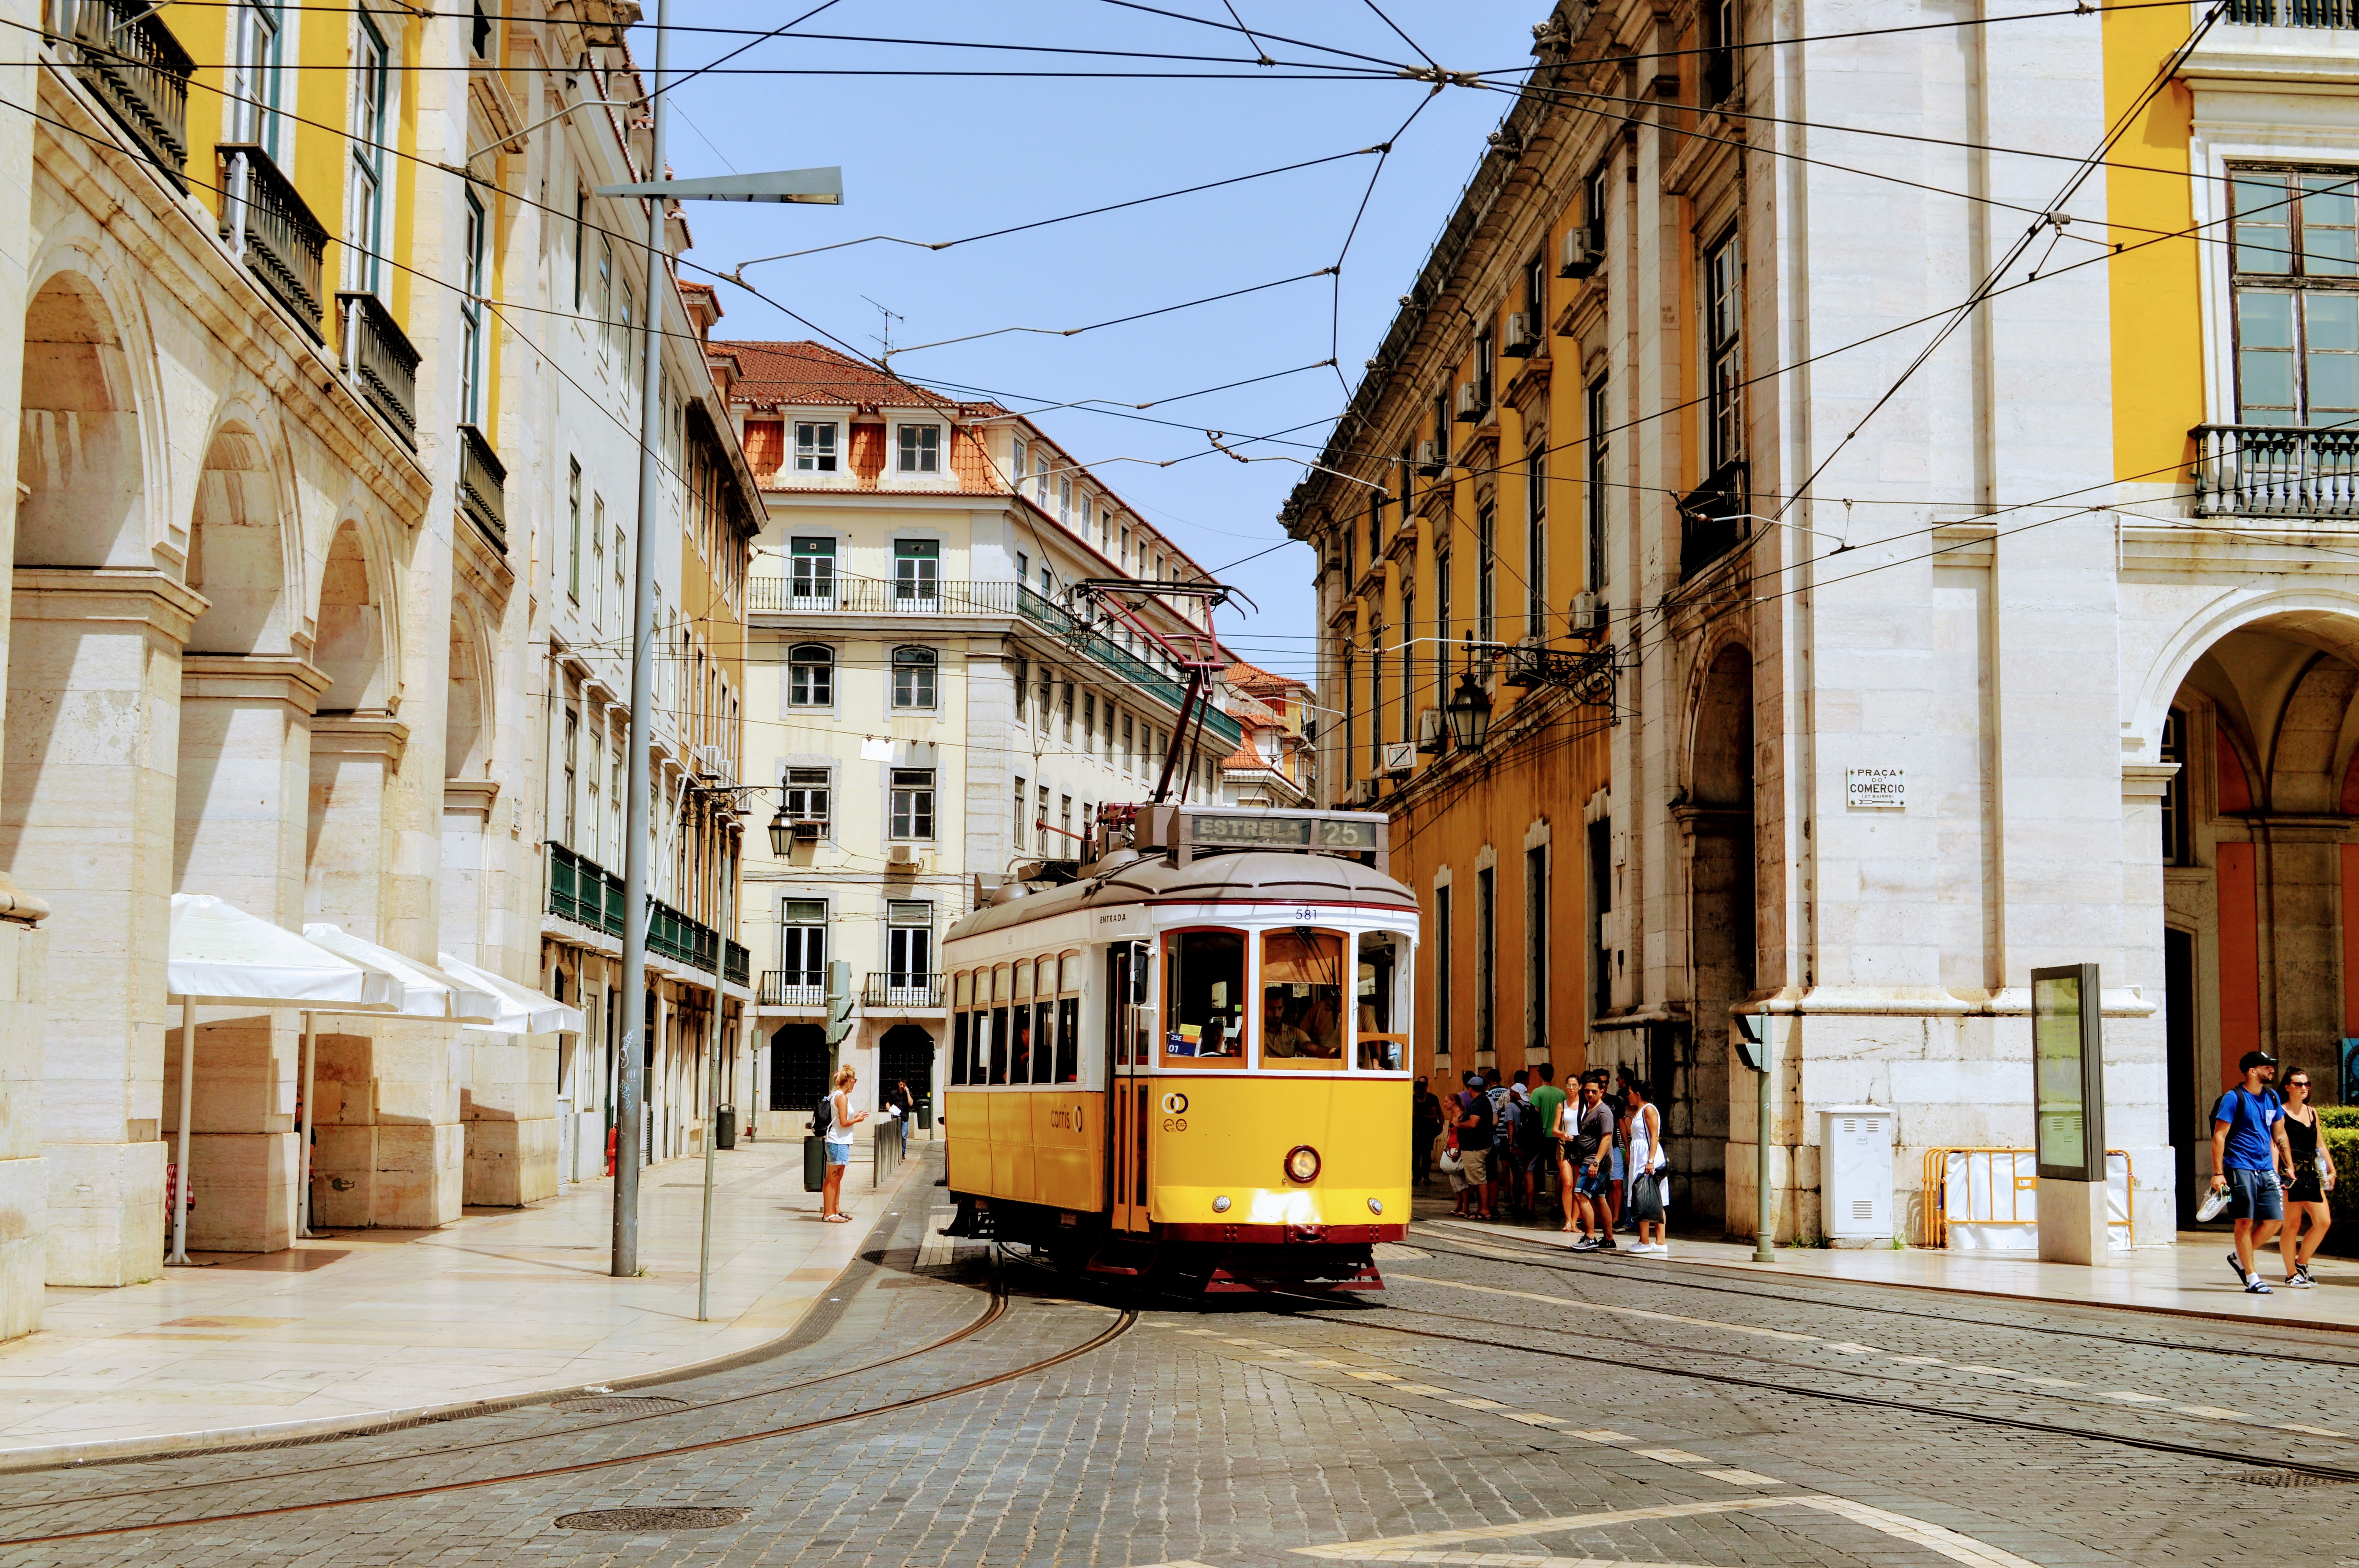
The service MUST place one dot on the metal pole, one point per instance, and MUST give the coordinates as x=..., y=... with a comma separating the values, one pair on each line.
x=625, y=1254
x=712, y=1099
x=310, y=1117
x=1765, y=1223
x=188, y=1088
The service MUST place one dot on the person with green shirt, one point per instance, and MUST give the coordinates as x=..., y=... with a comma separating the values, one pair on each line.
x=1547, y=1101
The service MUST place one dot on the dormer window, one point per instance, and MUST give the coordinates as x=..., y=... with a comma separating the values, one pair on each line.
x=814, y=447
x=921, y=449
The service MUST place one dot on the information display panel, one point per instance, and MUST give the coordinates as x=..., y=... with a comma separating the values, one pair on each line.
x=2067, y=1073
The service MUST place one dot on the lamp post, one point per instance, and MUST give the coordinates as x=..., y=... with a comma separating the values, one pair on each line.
x=824, y=186
x=1469, y=713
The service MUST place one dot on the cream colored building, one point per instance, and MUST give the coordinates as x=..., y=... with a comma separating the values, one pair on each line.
x=919, y=684
x=296, y=405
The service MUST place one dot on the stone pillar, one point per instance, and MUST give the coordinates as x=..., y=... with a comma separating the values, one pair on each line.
x=244, y=768
x=2137, y=1067
x=391, y=1149
x=354, y=757
x=24, y=1199
x=510, y=1109
x=466, y=823
x=86, y=824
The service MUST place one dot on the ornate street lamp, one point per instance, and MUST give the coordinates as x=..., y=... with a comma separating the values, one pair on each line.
x=782, y=832
x=1470, y=713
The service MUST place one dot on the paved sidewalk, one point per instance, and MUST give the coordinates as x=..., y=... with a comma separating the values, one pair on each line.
x=2190, y=1279
x=366, y=1326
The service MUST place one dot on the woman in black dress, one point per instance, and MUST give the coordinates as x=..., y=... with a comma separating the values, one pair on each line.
x=2313, y=1178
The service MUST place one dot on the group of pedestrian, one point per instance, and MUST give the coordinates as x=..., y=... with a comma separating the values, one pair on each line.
x=2267, y=1157
x=1502, y=1144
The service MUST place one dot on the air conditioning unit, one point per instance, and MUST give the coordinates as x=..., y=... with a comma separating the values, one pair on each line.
x=810, y=832
x=902, y=857
x=1470, y=403
x=1588, y=615
x=1430, y=458
x=1360, y=793
x=1430, y=735
x=1399, y=758
x=1581, y=256
x=1523, y=335
x=710, y=761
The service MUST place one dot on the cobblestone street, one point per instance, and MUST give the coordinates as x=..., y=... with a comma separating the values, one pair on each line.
x=1494, y=1406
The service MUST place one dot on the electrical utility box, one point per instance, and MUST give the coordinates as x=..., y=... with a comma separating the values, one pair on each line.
x=1856, y=1174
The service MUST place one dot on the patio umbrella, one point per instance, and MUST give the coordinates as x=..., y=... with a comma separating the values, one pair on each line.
x=522, y=1010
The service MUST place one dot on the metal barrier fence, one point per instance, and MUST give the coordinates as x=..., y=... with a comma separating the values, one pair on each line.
x=1988, y=1199
x=886, y=1141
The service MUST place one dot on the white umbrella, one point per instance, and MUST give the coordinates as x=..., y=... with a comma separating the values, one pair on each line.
x=220, y=954
x=522, y=1011
x=426, y=991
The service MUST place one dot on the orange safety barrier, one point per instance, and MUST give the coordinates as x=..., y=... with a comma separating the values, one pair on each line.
x=1999, y=1187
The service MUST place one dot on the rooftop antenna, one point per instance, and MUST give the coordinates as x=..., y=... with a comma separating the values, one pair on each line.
x=890, y=317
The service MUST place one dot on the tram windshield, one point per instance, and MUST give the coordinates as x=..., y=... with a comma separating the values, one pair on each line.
x=1383, y=1035
x=1204, y=999
x=1302, y=1000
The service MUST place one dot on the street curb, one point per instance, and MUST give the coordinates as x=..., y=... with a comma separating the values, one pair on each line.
x=274, y=1434
x=1756, y=1271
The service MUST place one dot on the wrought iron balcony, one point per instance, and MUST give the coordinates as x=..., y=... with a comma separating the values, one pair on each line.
x=835, y=595
x=2276, y=470
x=2293, y=13
x=581, y=891
x=271, y=229
x=740, y=970
x=134, y=66
x=379, y=360
x=912, y=992
x=483, y=487
x=793, y=988
x=1711, y=520
x=1119, y=660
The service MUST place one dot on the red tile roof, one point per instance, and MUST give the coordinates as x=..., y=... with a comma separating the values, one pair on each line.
x=781, y=375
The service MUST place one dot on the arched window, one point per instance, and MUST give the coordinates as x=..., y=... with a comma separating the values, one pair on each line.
x=914, y=670
x=810, y=675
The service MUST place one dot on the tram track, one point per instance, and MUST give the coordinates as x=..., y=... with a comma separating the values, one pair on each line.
x=994, y=1311
x=1981, y=1418
x=1663, y=1275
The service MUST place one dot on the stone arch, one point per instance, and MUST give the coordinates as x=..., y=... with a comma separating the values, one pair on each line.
x=1690, y=1064
x=242, y=534
x=352, y=645
x=83, y=458
x=1720, y=731
x=2325, y=617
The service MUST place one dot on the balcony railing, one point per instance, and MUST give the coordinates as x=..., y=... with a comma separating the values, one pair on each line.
x=1125, y=664
x=585, y=893
x=2275, y=471
x=792, y=988
x=879, y=596
x=271, y=229
x=2293, y=13
x=483, y=487
x=134, y=66
x=906, y=991
x=1711, y=520
x=379, y=360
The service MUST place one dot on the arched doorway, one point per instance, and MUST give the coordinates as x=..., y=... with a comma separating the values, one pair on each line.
x=798, y=1067
x=1690, y=1065
x=2259, y=843
x=906, y=1055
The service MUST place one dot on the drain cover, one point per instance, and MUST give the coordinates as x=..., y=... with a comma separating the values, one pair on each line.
x=619, y=1404
x=2289, y=1478
x=642, y=1519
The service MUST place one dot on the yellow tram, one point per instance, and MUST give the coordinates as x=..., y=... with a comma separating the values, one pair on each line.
x=1189, y=1058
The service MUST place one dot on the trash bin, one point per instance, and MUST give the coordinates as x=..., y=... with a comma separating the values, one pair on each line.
x=724, y=1128
x=925, y=1116
x=814, y=1164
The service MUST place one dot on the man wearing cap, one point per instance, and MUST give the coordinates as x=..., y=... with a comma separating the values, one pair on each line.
x=2248, y=1149
x=1475, y=1122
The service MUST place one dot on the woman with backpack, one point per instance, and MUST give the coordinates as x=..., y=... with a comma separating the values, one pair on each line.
x=841, y=1120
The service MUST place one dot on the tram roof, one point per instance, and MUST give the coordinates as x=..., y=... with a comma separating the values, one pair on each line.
x=1258, y=876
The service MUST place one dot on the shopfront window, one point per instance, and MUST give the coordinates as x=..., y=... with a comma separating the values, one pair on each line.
x=1204, y=1018
x=1302, y=1000
x=1383, y=1010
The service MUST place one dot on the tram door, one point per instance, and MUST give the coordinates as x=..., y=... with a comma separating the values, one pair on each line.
x=1130, y=1035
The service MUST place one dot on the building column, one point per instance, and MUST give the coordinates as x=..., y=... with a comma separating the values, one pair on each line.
x=86, y=822
x=244, y=765
x=2137, y=1068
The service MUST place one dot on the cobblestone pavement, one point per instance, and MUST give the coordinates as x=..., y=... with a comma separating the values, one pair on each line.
x=1491, y=1408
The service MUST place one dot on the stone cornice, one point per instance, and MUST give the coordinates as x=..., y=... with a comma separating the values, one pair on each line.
x=361, y=735
x=253, y=678
x=144, y=594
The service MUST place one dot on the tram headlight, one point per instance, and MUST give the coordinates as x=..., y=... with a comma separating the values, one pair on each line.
x=1375, y=1206
x=1221, y=1204
x=1302, y=1164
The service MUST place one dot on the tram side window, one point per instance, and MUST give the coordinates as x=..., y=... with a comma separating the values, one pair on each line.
x=1069, y=1020
x=999, y=1040
x=1019, y=1023
x=961, y=1042
x=1045, y=1044
x=1204, y=1014
x=1302, y=1000
x=1383, y=1048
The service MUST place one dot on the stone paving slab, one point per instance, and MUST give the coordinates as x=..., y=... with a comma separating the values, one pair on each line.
x=360, y=1328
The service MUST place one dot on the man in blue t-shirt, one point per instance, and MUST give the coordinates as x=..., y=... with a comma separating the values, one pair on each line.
x=2248, y=1149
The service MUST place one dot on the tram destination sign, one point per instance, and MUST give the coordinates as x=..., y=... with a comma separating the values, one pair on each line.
x=1186, y=832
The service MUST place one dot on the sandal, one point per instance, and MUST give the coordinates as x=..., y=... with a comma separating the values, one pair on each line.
x=836, y=1218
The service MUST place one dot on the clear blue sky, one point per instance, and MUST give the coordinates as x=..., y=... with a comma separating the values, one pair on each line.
x=942, y=157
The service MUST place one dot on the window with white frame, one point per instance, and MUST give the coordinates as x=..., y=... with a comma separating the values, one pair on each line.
x=2295, y=260
x=908, y=946
x=1723, y=313
x=811, y=570
x=802, y=951
x=253, y=85
x=914, y=673
x=805, y=796
x=916, y=573
x=365, y=185
x=810, y=675
x=911, y=803
x=471, y=317
x=814, y=446
x=920, y=449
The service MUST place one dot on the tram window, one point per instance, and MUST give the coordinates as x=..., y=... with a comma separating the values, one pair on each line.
x=962, y=1032
x=959, y=1047
x=1383, y=1045
x=1000, y=1041
x=1069, y=1040
x=1044, y=1021
x=1019, y=1020
x=1302, y=1000
x=1204, y=1016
